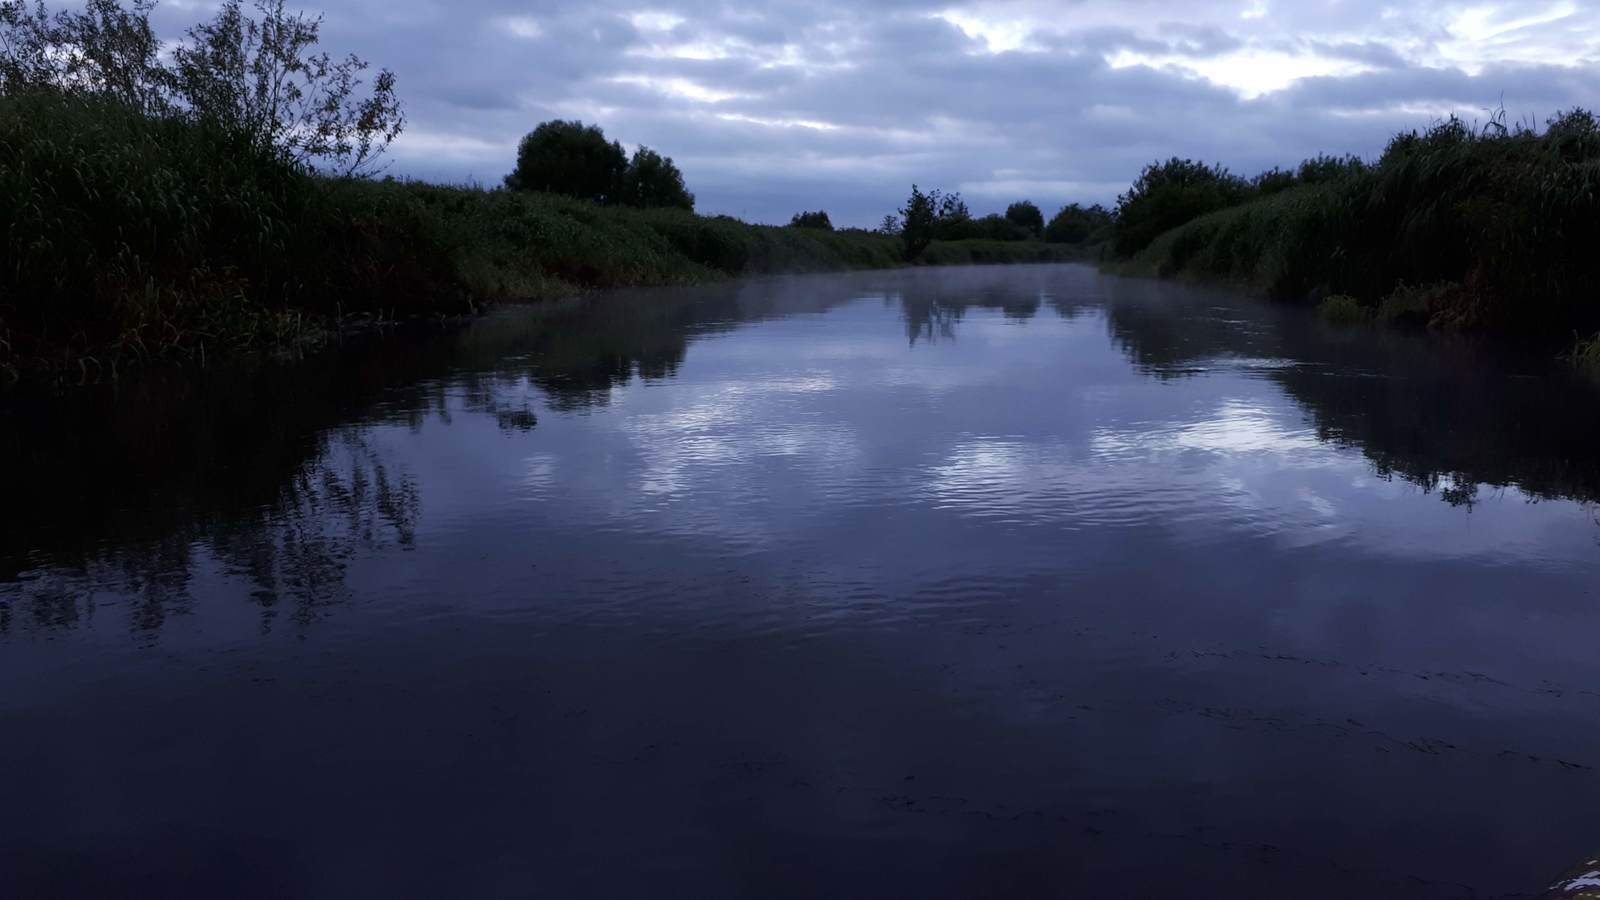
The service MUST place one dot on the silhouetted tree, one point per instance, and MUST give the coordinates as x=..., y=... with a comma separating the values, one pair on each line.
x=1169, y=194
x=918, y=218
x=818, y=219
x=257, y=77
x=568, y=157
x=954, y=220
x=996, y=227
x=1025, y=215
x=651, y=181
x=1074, y=223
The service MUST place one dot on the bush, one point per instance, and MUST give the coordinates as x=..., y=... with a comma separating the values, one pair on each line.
x=1026, y=216
x=818, y=220
x=1585, y=356
x=1343, y=309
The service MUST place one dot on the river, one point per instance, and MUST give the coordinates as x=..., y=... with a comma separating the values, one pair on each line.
x=1018, y=581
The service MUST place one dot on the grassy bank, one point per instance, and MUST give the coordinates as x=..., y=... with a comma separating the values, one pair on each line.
x=1454, y=228
x=130, y=239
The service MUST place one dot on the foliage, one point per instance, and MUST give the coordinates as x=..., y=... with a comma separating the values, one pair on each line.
x=1324, y=169
x=953, y=221
x=130, y=237
x=987, y=252
x=818, y=219
x=1585, y=355
x=258, y=78
x=995, y=227
x=1455, y=227
x=890, y=226
x=1025, y=215
x=104, y=51
x=1343, y=309
x=569, y=158
x=1076, y=224
x=575, y=160
x=652, y=180
x=918, y=219
x=1169, y=194
x=1272, y=181
x=262, y=78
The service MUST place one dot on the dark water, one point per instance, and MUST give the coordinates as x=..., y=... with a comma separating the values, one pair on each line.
x=953, y=583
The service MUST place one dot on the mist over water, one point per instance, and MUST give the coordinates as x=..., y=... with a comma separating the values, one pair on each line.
x=962, y=582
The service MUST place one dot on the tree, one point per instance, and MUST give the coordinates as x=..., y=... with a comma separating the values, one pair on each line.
x=262, y=79
x=568, y=157
x=996, y=227
x=954, y=220
x=258, y=77
x=918, y=218
x=105, y=51
x=1027, y=216
x=1074, y=223
x=651, y=180
x=818, y=220
x=890, y=226
x=1169, y=194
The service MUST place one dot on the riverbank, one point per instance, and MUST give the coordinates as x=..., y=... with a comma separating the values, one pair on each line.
x=1485, y=230
x=134, y=240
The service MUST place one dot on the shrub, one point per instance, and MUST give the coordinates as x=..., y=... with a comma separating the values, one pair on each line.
x=1585, y=356
x=1416, y=306
x=1026, y=216
x=1343, y=309
x=818, y=220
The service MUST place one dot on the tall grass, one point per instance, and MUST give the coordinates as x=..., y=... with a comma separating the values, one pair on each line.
x=128, y=238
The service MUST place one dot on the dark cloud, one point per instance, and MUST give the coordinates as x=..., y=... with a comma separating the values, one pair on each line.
x=771, y=107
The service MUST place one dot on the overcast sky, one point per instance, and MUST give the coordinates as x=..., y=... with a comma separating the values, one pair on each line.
x=770, y=107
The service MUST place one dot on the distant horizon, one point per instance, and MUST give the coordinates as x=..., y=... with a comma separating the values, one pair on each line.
x=773, y=108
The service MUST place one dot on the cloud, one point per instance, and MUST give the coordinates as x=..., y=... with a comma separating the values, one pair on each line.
x=770, y=107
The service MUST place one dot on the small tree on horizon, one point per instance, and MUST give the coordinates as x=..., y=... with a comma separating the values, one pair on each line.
x=1075, y=223
x=653, y=181
x=818, y=220
x=918, y=218
x=571, y=158
x=1024, y=214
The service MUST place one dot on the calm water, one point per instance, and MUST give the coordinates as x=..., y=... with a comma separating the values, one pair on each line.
x=953, y=583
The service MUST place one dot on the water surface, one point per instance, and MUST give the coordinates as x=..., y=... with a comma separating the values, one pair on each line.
x=949, y=583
